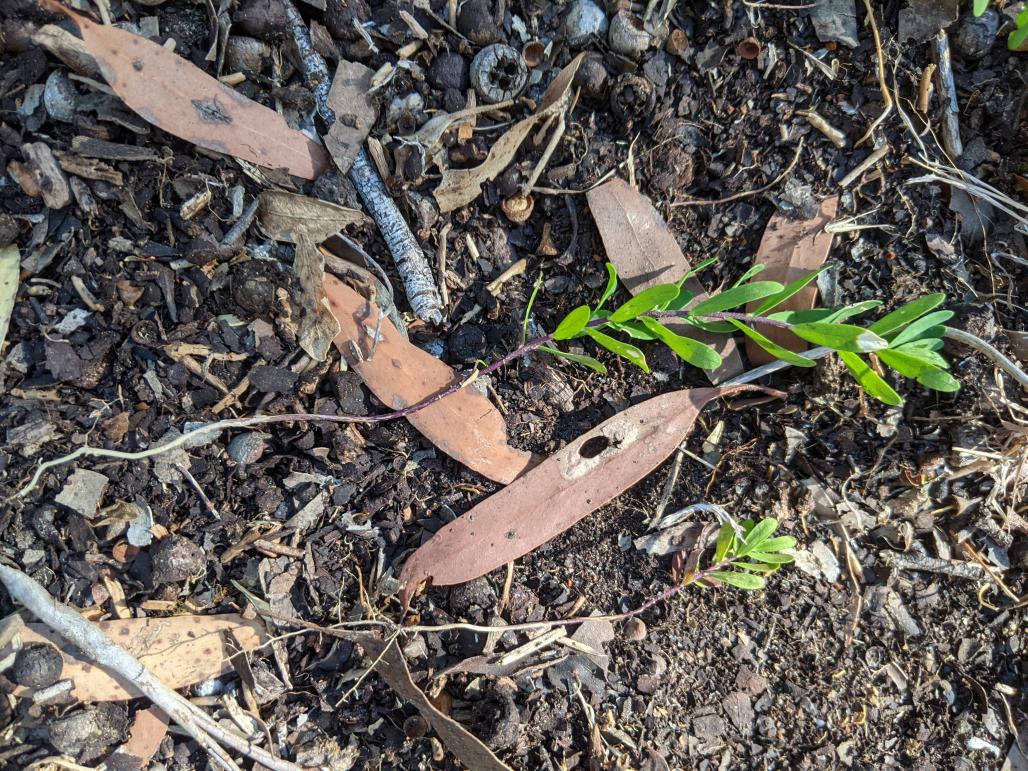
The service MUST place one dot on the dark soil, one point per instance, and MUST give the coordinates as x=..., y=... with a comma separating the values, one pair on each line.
x=866, y=665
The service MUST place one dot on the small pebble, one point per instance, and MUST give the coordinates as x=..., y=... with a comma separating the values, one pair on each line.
x=635, y=629
x=272, y=380
x=976, y=34
x=85, y=734
x=584, y=21
x=476, y=22
x=175, y=559
x=449, y=70
x=37, y=665
x=247, y=448
x=415, y=727
x=467, y=343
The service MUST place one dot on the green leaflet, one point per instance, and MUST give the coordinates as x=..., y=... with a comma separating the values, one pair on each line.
x=573, y=323
x=755, y=270
x=771, y=558
x=790, y=289
x=755, y=537
x=725, y=539
x=924, y=372
x=929, y=325
x=692, y=351
x=578, y=358
x=739, y=580
x=869, y=380
x=905, y=314
x=772, y=347
x=645, y=301
x=740, y=295
x=624, y=350
x=840, y=337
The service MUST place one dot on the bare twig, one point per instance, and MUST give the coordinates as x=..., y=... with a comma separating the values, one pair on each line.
x=411, y=262
x=746, y=193
x=313, y=64
x=991, y=352
x=103, y=651
x=880, y=61
x=864, y=165
x=948, y=93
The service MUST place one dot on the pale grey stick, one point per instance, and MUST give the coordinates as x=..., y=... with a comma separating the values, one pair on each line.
x=411, y=263
x=948, y=94
x=313, y=64
x=103, y=651
x=991, y=352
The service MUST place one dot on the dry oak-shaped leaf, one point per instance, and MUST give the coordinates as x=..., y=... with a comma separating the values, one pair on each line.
x=180, y=650
x=645, y=253
x=283, y=216
x=356, y=112
x=307, y=222
x=790, y=249
x=587, y=474
x=169, y=92
x=465, y=425
x=460, y=187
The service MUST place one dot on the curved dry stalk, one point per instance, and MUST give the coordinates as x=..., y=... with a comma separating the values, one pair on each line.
x=990, y=352
x=883, y=85
x=103, y=651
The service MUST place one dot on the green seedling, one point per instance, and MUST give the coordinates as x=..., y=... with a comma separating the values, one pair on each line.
x=1019, y=34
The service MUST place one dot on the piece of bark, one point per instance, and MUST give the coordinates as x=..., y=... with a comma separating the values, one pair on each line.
x=47, y=175
x=355, y=110
x=790, y=249
x=91, y=147
x=180, y=650
x=89, y=169
x=588, y=473
x=465, y=425
x=645, y=253
x=170, y=92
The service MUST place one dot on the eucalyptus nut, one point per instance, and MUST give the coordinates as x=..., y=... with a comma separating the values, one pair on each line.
x=584, y=21
x=628, y=35
x=498, y=73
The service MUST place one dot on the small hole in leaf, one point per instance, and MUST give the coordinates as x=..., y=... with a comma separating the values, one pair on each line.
x=593, y=447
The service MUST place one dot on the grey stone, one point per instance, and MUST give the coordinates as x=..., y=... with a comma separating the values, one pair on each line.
x=836, y=20
x=922, y=19
x=83, y=492
x=739, y=709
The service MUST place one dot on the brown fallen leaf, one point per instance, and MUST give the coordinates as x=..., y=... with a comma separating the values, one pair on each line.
x=169, y=92
x=390, y=664
x=180, y=650
x=356, y=111
x=587, y=474
x=645, y=253
x=465, y=425
x=149, y=727
x=460, y=187
x=306, y=222
x=790, y=249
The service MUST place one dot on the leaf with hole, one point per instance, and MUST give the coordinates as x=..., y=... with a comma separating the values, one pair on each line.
x=840, y=337
x=740, y=295
x=645, y=301
x=624, y=350
x=773, y=348
x=557, y=493
x=692, y=351
x=577, y=358
x=905, y=314
x=870, y=380
x=573, y=323
x=738, y=580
